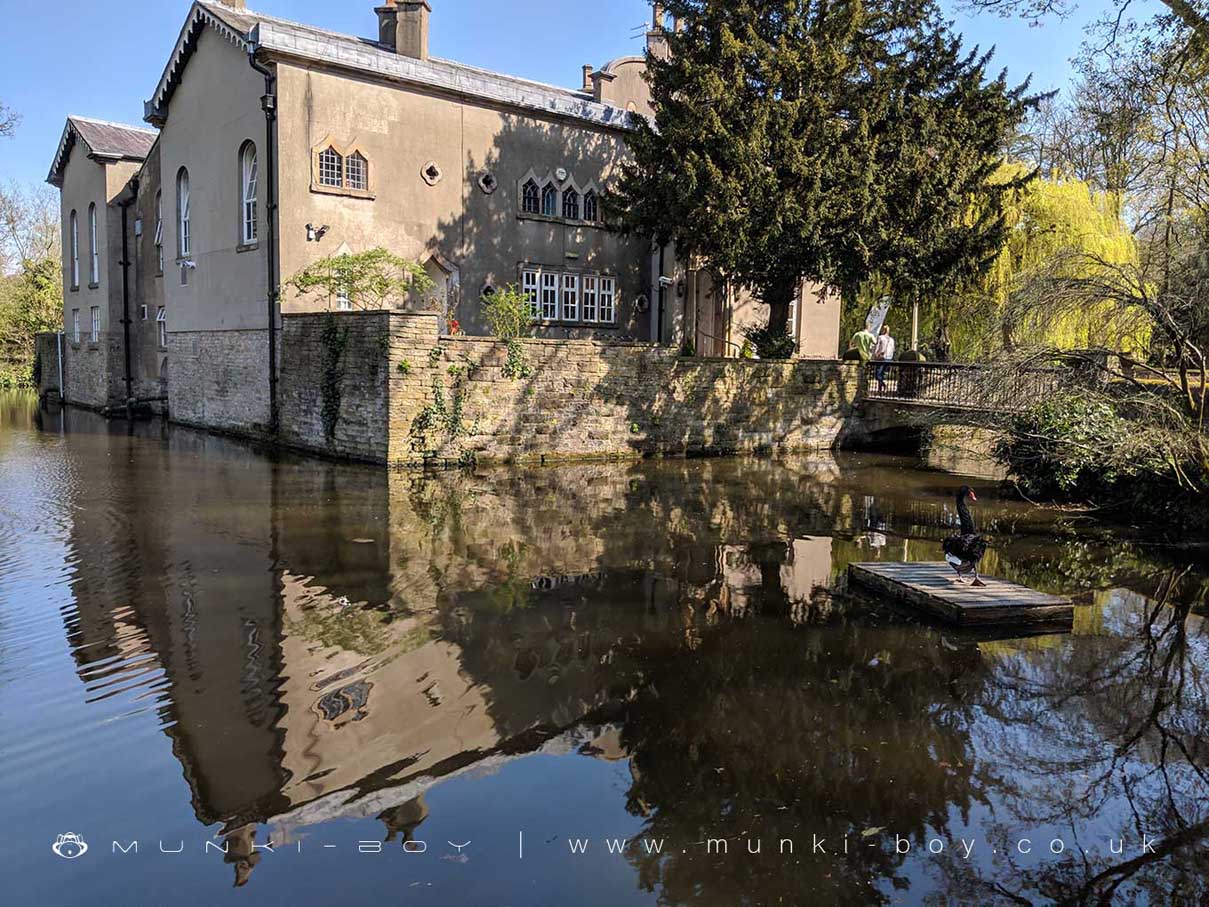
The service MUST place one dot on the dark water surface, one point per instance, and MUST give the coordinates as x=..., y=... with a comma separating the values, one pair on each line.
x=470, y=689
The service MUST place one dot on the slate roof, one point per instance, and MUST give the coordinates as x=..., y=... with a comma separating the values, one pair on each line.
x=250, y=31
x=103, y=139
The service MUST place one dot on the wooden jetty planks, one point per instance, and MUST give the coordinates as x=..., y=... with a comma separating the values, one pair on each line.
x=932, y=587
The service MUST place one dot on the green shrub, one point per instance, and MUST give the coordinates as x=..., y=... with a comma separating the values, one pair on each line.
x=770, y=343
x=1070, y=448
x=508, y=313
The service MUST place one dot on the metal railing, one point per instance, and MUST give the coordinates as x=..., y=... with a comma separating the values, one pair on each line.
x=953, y=386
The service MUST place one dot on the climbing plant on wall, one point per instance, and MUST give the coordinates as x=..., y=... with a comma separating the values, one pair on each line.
x=366, y=281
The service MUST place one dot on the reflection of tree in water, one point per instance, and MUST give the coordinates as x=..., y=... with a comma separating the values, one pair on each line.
x=763, y=734
x=1110, y=738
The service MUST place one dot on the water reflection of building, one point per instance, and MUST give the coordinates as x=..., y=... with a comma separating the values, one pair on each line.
x=326, y=641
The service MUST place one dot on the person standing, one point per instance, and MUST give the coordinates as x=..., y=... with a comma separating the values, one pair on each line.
x=883, y=351
x=864, y=341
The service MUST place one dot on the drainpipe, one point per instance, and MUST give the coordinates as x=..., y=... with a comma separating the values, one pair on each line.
x=62, y=393
x=125, y=205
x=662, y=291
x=268, y=104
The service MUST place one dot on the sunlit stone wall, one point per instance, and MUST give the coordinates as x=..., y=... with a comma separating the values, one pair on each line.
x=410, y=397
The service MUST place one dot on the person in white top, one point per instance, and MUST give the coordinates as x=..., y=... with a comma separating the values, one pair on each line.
x=883, y=351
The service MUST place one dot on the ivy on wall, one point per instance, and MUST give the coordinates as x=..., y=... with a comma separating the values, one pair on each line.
x=333, y=340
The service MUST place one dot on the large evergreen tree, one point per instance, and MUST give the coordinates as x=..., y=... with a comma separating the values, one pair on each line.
x=822, y=139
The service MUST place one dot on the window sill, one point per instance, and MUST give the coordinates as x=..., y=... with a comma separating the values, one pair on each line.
x=547, y=219
x=340, y=190
x=247, y=247
x=94, y=345
x=594, y=325
x=93, y=286
x=74, y=288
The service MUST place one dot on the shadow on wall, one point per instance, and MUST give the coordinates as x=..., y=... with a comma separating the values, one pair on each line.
x=577, y=399
x=490, y=241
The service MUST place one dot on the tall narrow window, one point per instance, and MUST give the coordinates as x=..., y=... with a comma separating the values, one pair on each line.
x=159, y=231
x=75, y=325
x=570, y=297
x=249, y=177
x=550, y=201
x=571, y=204
x=183, y=239
x=343, y=302
x=75, y=257
x=590, y=283
x=94, y=257
x=608, y=300
x=331, y=168
x=529, y=287
x=591, y=207
x=549, y=296
x=531, y=202
x=358, y=172
x=161, y=326
x=95, y=335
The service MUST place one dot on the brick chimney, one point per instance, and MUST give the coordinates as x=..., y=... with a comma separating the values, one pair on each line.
x=588, y=67
x=403, y=27
x=235, y=4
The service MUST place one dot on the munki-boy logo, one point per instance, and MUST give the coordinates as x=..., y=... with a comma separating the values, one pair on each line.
x=69, y=846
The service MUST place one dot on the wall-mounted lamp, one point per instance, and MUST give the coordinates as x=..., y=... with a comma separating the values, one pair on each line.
x=314, y=234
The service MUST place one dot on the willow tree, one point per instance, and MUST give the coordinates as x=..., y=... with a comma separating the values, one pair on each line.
x=826, y=140
x=1057, y=227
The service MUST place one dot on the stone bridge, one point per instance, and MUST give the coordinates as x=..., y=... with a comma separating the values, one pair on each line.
x=945, y=409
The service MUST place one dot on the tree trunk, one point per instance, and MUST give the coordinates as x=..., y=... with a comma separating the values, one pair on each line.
x=779, y=295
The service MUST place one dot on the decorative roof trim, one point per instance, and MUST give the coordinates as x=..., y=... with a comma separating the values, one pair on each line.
x=72, y=134
x=186, y=43
x=314, y=45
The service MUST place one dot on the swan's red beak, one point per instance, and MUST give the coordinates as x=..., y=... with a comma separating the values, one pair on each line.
x=973, y=497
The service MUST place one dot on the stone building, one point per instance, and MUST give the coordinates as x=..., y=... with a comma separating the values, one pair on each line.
x=274, y=144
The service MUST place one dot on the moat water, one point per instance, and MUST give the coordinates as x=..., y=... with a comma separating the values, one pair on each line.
x=241, y=679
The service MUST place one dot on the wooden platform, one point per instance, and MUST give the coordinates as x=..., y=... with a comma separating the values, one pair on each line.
x=932, y=587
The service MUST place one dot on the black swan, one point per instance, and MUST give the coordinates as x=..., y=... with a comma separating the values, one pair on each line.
x=964, y=550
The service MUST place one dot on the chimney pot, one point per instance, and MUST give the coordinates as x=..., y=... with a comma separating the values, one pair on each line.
x=658, y=18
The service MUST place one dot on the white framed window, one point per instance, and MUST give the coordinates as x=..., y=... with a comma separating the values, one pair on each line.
x=94, y=257
x=531, y=201
x=549, y=295
x=529, y=279
x=75, y=325
x=142, y=313
x=95, y=335
x=331, y=168
x=161, y=324
x=343, y=302
x=75, y=256
x=608, y=300
x=358, y=172
x=550, y=201
x=591, y=207
x=570, y=309
x=590, y=284
x=159, y=232
x=249, y=171
x=183, y=237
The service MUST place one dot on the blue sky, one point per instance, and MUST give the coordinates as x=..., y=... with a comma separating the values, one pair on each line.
x=100, y=58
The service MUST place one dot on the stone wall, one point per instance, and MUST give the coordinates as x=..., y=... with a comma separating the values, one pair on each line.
x=219, y=380
x=453, y=399
x=92, y=372
x=338, y=362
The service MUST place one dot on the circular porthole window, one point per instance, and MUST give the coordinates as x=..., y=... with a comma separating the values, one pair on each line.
x=488, y=183
x=431, y=172
x=488, y=290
